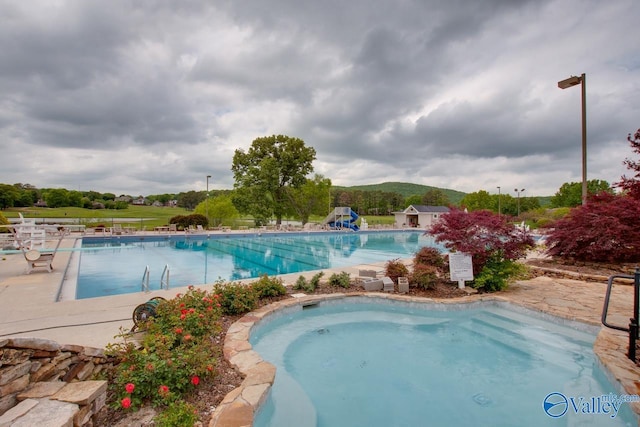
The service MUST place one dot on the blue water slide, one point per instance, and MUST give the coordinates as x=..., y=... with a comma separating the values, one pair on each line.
x=347, y=223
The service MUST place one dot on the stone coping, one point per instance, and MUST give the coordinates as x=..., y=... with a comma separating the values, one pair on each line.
x=240, y=405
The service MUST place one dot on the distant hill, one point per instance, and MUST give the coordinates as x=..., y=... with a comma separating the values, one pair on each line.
x=406, y=189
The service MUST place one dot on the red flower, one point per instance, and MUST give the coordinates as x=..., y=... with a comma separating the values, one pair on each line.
x=187, y=337
x=163, y=390
x=129, y=387
x=190, y=287
x=209, y=368
x=183, y=316
x=195, y=380
x=178, y=331
x=126, y=402
x=178, y=295
x=150, y=367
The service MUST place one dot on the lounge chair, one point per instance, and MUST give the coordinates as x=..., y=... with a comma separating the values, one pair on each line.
x=173, y=228
x=40, y=258
x=117, y=229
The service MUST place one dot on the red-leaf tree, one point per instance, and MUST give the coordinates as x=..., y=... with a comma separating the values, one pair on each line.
x=607, y=228
x=631, y=185
x=482, y=234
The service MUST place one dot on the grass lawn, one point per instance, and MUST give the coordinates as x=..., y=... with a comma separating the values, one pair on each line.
x=139, y=216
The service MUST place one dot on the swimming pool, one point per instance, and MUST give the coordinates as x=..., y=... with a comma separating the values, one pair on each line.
x=399, y=364
x=116, y=265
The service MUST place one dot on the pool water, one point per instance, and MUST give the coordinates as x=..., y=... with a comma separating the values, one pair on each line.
x=116, y=266
x=372, y=365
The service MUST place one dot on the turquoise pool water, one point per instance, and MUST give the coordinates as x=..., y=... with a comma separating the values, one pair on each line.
x=363, y=364
x=116, y=265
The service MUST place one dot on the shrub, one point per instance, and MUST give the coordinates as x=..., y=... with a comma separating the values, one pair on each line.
x=236, y=298
x=267, y=287
x=496, y=274
x=308, y=286
x=177, y=350
x=183, y=222
x=340, y=279
x=481, y=234
x=394, y=269
x=301, y=284
x=607, y=228
x=429, y=256
x=177, y=414
x=424, y=276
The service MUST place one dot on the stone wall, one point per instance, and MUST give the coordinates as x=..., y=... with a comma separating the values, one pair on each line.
x=41, y=380
x=574, y=275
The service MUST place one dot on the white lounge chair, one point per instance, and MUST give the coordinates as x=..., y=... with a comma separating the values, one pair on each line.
x=40, y=258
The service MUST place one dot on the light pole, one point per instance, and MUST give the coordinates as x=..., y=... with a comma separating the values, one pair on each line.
x=518, y=191
x=499, y=207
x=563, y=84
x=207, y=201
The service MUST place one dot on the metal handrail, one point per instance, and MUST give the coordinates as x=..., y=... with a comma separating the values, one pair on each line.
x=633, y=321
x=145, y=279
x=164, y=283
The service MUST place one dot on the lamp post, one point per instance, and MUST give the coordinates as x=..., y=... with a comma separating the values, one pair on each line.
x=518, y=191
x=207, y=201
x=563, y=84
x=499, y=207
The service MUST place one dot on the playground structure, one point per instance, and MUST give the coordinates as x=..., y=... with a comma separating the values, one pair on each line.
x=342, y=218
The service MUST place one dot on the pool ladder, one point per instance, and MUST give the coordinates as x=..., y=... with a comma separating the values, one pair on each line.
x=164, y=279
x=633, y=328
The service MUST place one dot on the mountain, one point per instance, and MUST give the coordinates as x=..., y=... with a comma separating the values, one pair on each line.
x=406, y=189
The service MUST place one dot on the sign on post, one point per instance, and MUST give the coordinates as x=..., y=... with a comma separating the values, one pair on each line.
x=460, y=268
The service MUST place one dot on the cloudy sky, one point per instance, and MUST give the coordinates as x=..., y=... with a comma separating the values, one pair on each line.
x=149, y=97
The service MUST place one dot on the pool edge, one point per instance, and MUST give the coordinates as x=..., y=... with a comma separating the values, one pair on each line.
x=239, y=407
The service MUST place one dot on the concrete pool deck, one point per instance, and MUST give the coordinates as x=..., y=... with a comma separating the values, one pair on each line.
x=28, y=308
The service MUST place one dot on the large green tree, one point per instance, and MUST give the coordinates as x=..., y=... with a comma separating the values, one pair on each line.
x=263, y=175
x=218, y=210
x=435, y=197
x=570, y=194
x=480, y=200
x=313, y=197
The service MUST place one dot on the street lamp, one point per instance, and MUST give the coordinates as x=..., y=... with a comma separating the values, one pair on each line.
x=499, y=207
x=518, y=191
x=563, y=84
x=207, y=201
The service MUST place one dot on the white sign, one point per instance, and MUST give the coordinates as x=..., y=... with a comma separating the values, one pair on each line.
x=460, y=268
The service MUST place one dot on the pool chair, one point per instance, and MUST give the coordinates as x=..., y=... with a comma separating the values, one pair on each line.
x=173, y=228
x=117, y=229
x=40, y=258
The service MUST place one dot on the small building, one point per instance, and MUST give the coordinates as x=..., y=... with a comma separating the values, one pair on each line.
x=140, y=201
x=419, y=216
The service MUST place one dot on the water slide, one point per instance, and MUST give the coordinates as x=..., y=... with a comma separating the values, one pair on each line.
x=342, y=217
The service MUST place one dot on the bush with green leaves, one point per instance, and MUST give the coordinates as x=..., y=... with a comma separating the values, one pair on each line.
x=236, y=298
x=309, y=286
x=175, y=353
x=177, y=414
x=396, y=268
x=184, y=221
x=267, y=287
x=341, y=279
x=496, y=274
x=424, y=276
